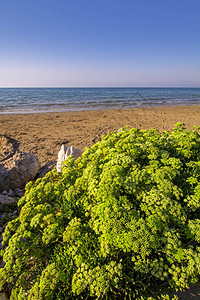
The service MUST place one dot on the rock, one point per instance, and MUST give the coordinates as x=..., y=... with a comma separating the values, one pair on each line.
x=6, y=200
x=4, y=193
x=22, y=169
x=2, y=264
x=19, y=193
x=46, y=169
x=10, y=193
x=3, y=296
x=64, y=153
x=2, y=216
x=11, y=174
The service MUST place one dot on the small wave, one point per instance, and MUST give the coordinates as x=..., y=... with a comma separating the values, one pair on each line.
x=67, y=99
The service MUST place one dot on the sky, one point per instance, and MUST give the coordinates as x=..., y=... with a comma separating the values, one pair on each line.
x=91, y=43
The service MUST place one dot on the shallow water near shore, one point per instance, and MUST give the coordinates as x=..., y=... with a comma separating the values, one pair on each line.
x=35, y=100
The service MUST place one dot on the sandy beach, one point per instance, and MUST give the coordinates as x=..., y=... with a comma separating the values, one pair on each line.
x=44, y=133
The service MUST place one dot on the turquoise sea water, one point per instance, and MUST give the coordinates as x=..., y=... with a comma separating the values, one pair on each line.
x=30, y=100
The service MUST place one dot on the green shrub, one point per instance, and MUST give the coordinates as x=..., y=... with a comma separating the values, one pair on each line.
x=120, y=222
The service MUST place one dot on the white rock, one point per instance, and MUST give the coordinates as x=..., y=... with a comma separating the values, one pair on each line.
x=64, y=153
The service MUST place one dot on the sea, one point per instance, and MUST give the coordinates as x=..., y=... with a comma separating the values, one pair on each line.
x=36, y=100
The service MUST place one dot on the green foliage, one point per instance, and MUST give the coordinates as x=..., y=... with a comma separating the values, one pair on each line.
x=121, y=222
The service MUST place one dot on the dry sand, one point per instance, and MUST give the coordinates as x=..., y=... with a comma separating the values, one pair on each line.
x=43, y=133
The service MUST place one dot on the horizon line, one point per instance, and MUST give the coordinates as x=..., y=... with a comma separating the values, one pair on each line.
x=45, y=87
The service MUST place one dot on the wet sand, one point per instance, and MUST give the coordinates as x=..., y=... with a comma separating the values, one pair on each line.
x=44, y=133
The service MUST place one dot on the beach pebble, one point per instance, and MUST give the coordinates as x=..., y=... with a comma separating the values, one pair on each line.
x=6, y=200
x=19, y=193
x=10, y=193
x=2, y=216
x=3, y=296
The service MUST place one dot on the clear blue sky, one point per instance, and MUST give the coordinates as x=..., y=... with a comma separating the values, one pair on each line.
x=99, y=43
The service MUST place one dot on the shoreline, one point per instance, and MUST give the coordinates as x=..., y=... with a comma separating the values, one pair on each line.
x=90, y=109
x=43, y=133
